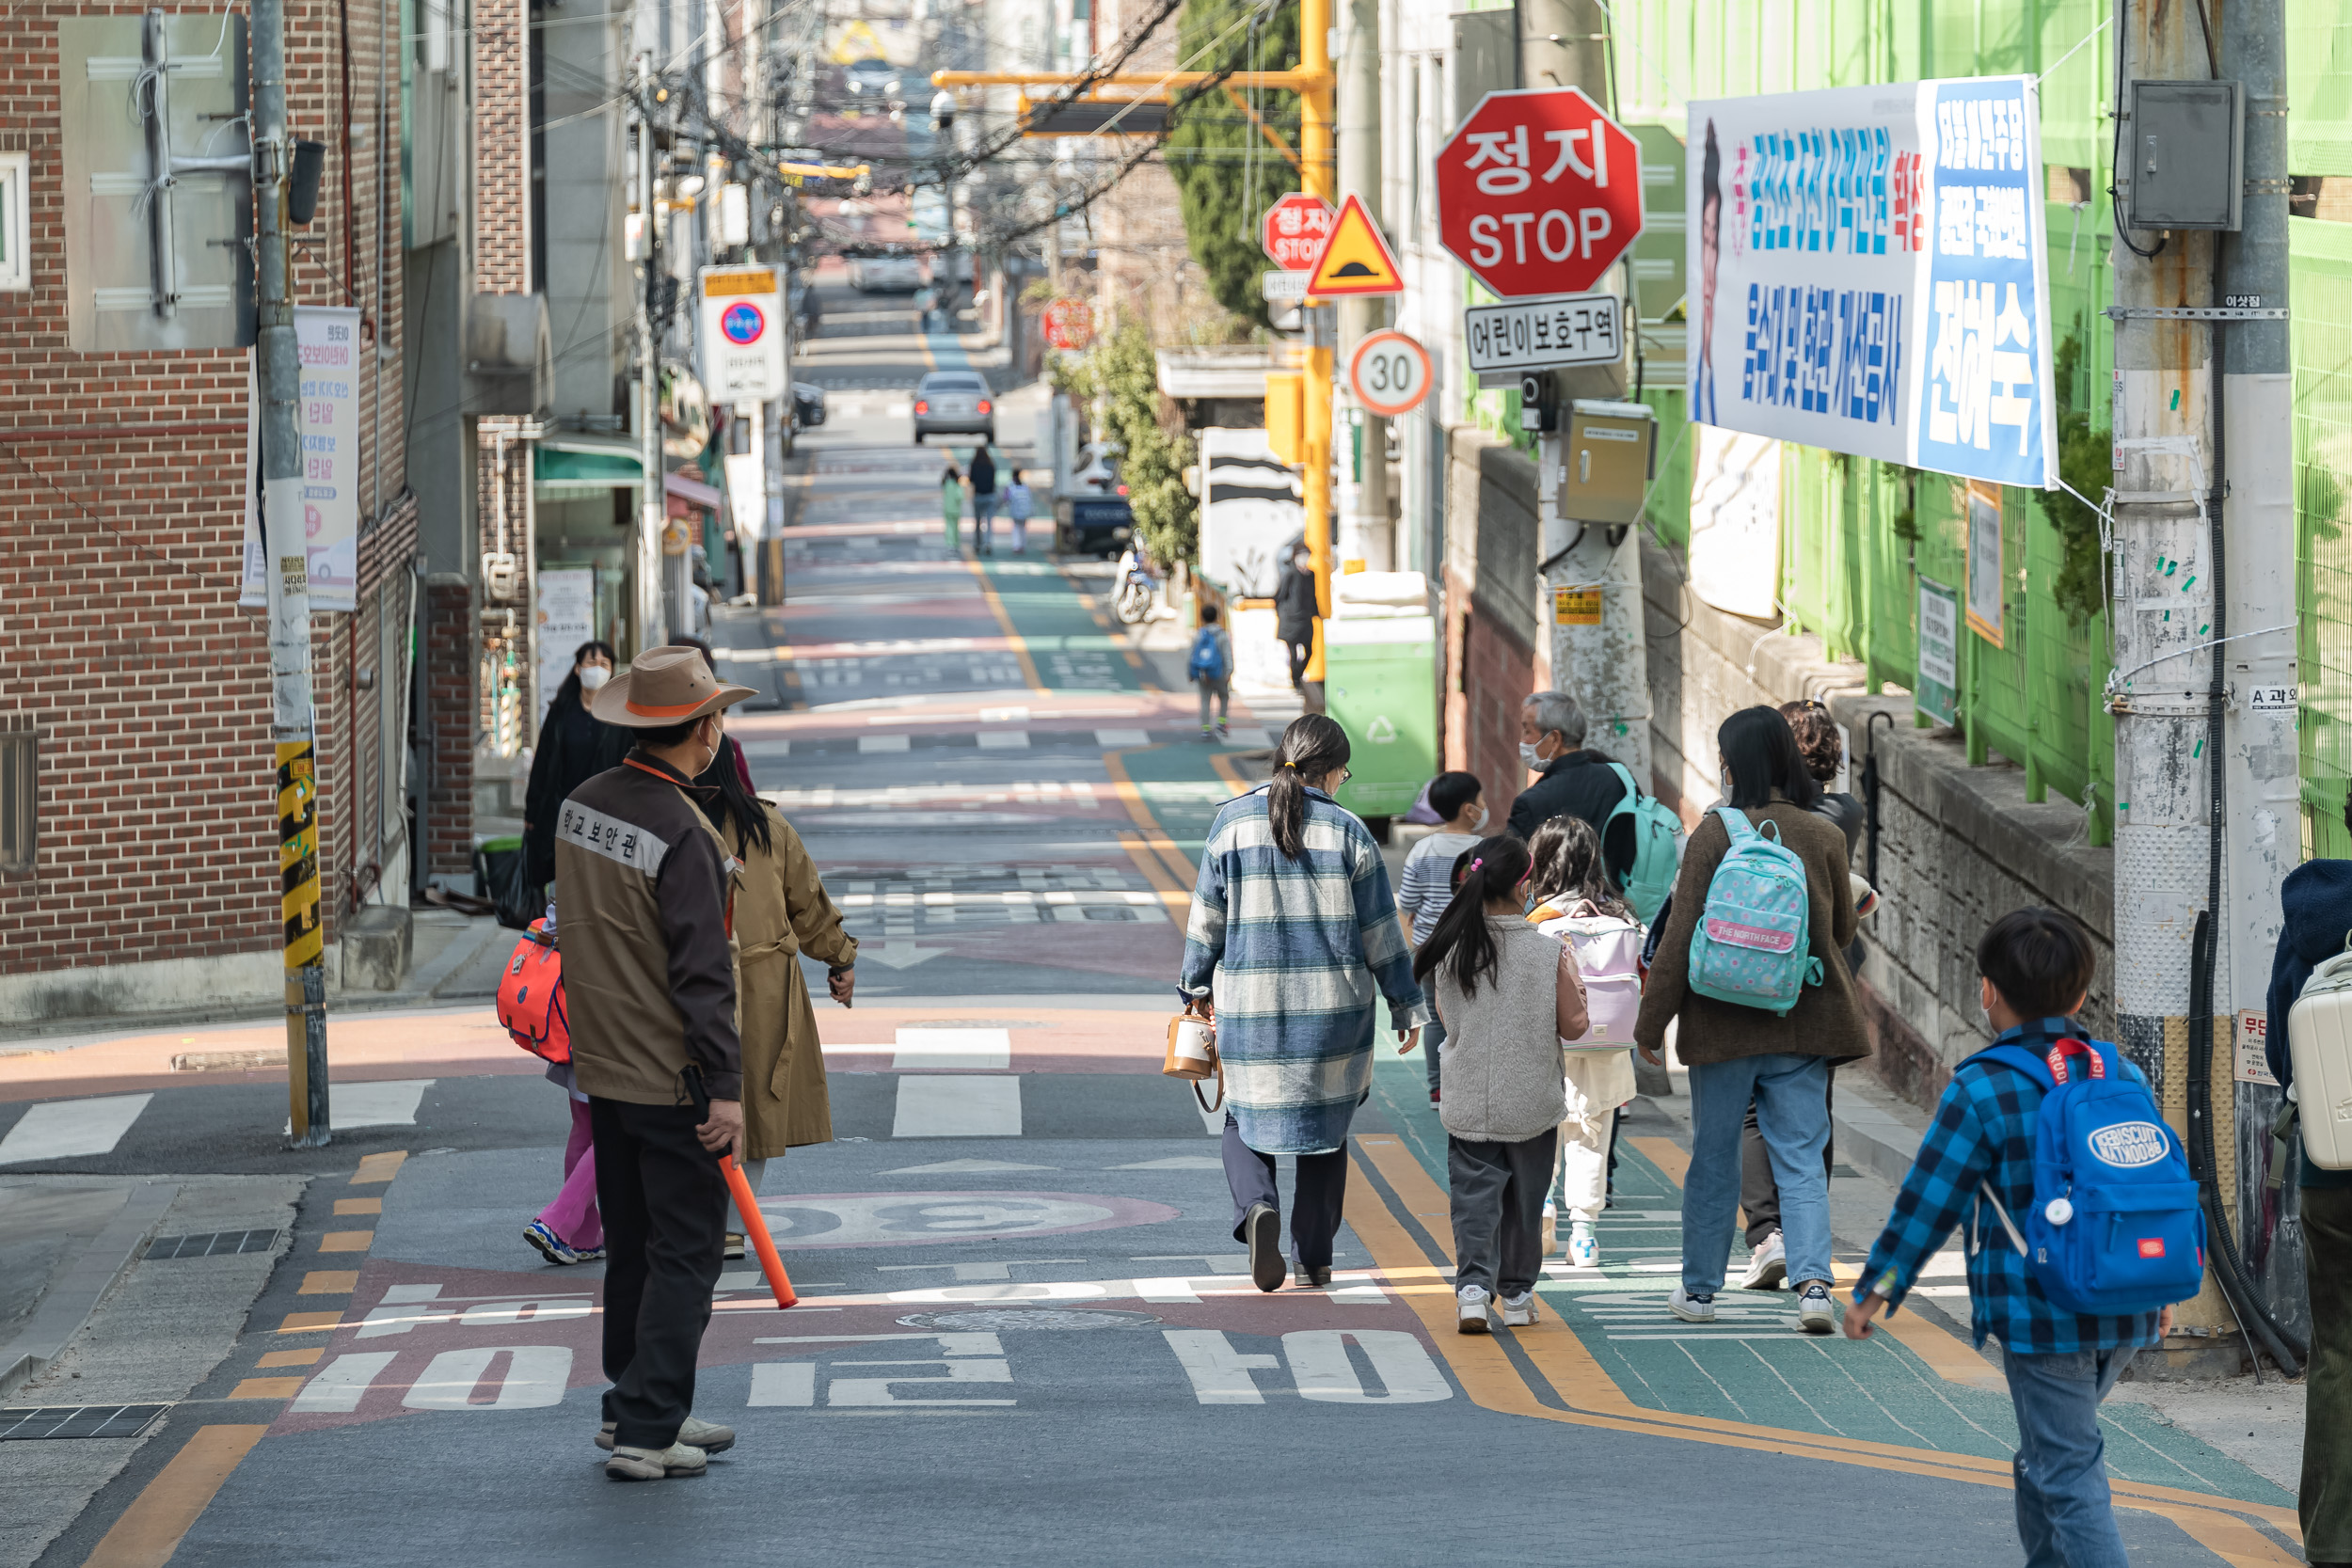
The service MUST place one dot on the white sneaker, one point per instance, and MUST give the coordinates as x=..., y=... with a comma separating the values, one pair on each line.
x=1471, y=1308
x=709, y=1436
x=1518, y=1311
x=1816, y=1313
x=1584, y=1248
x=1551, y=1224
x=1690, y=1308
x=678, y=1459
x=1768, y=1266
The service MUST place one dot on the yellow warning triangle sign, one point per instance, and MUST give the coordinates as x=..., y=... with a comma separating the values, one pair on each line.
x=1355, y=260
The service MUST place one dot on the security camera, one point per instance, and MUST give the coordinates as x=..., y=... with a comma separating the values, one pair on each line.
x=943, y=109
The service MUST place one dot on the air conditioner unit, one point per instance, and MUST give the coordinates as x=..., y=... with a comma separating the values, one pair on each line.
x=509, y=354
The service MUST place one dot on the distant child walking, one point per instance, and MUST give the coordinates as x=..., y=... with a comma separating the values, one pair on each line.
x=1509, y=995
x=1020, y=505
x=1426, y=887
x=952, y=505
x=1575, y=905
x=1211, y=668
x=1977, y=1160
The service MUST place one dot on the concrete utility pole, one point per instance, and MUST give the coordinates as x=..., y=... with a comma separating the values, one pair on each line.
x=652, y=625
x=293, y=723
x=1366, y=533
x=1604, y=665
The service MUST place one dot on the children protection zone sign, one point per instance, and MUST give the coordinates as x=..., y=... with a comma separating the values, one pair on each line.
x=1872, y=274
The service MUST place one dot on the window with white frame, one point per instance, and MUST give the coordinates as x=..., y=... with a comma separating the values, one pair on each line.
x=16, y=229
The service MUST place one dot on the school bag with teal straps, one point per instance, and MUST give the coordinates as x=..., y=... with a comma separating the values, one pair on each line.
x=1657, y=848
x=1752, y=944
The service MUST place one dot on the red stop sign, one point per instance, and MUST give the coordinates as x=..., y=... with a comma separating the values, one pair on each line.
x=1538, y=192
x=1294, y=230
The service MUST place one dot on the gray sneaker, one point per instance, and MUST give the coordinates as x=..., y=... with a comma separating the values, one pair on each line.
x=1518, y=1311
x=631, y=1464
x=709, y=1436
x=1469, y=1309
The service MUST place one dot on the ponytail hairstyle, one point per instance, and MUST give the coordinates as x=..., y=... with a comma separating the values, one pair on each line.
x=1312, y=747
x=1462, y=941
x=1569, y=866
x=727, y=802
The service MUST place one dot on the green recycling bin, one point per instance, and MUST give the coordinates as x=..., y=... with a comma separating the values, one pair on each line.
x=1380, y=682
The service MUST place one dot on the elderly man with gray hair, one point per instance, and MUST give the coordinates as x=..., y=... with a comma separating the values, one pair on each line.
x=1577, y=781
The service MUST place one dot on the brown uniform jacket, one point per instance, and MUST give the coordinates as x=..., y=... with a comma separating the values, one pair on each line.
x=1827, y=1018
x=781, y=912
x=643, y=888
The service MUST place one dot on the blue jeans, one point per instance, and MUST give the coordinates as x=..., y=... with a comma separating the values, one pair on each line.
x=983, y=514
x=2064, y=1517
x=1792, y=1095
x=1432, y=1037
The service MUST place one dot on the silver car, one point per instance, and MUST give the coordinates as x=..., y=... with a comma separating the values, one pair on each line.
x=954, y=402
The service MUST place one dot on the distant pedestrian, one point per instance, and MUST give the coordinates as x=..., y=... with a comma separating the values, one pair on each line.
x=782, y=911
x=1291, y=904
x=951, y=506
x=1509, y=994
x=1295, y=611
x=574, y=747
x=1575, y=904
x=2035, y=967
x=1736, y=1052
x=1020, y=505
x=1577, y=780
x=1210, y=668
x=647, y=891
x=1425, y=886
x=983, y=498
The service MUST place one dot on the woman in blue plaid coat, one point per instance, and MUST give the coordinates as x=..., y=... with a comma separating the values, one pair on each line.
x=1292, y=939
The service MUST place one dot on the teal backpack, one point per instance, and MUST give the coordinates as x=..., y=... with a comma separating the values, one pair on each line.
x=1752, y=944
x=1657, y=848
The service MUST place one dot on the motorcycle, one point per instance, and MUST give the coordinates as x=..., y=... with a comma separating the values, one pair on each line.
x=1139, y=586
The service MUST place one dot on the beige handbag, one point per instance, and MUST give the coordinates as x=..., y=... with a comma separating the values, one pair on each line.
x=1192, y=1054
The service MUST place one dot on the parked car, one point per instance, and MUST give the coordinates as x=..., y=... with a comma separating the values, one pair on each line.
x=954, y=402
x=885, y=275
x=808, y=405
x=1099, y=525
x=872, y=79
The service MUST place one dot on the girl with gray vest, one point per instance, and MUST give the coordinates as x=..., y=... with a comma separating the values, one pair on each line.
x=1508, y=996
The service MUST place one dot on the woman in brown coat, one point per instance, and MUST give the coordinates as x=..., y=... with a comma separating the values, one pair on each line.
x=781, y=911
x=1737, y=1053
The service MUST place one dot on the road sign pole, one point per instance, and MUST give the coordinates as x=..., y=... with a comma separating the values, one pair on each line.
x=1314, y=158
x=1366, y=535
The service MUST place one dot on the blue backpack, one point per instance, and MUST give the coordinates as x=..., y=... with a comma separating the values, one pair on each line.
x=1208, y=657
x=1657, y=849
x=2115, y=1229
x=1752, y=944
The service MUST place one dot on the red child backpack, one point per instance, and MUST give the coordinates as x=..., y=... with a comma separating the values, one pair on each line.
x=530, y=997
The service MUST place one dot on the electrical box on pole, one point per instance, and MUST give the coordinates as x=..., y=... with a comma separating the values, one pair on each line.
x=2187, y=163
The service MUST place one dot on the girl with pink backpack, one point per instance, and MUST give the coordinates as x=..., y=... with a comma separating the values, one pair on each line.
x=1574, y=902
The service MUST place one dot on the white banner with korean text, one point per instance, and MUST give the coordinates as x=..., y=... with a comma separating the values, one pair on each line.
x=1872, y=273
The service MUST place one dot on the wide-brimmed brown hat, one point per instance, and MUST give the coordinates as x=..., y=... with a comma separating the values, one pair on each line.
x=664, y=686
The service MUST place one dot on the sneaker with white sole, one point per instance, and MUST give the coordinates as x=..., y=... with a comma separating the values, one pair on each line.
x=1768, y=1266
x=553, y=1247
x=1470, y=1310
x=1816, y=1313
x=1690, y=1308
x=678, y=1459
x=1583, y=1246
x=1520, y=1310
x=709, y=1436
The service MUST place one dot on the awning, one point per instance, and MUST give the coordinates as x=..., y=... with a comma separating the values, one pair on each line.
x=583, y=463
x=692, y=490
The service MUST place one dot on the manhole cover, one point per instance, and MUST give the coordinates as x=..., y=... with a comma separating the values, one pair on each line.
x=997, y=1319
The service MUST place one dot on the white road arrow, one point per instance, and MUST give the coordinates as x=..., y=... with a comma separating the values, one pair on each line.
x=898, y=954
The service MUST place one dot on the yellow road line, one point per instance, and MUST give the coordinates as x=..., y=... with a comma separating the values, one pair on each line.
x=293, y=1357
x=310, y=1323
x=1155, y=837
x=1595, y=1398
x=359, y=1206
x=347, y=1241
x=1004, y=620
x=329, y=1282
x=268, y=1388
x=1086, y=596
x=1153, y=872
x=151, y=1528
x=1223, y=762
x=379, y=1167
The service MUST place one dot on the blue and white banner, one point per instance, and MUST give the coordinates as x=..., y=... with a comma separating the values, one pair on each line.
x=1872, y=274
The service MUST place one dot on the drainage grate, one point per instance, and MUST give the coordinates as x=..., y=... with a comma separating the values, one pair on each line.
x=217, y=1243
x=44, y=1422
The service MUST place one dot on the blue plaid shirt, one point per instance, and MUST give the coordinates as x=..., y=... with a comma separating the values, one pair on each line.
x=1984, y=1132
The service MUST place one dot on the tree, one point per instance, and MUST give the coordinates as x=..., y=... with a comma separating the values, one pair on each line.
x=1226, y=172
x=1118, y=381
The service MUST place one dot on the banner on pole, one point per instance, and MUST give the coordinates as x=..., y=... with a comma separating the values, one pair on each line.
x=1872, y=274
x=326, y=341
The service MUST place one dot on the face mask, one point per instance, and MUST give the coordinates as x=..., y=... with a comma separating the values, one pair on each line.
x=594, y=677
x=1480, y=826
x=1527, y=753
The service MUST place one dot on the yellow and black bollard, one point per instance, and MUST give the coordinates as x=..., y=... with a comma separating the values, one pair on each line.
x=305, y=942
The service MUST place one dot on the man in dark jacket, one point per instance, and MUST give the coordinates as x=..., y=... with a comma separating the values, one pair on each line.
x=646, y=887
x=1576, y=782
x=1295, y=609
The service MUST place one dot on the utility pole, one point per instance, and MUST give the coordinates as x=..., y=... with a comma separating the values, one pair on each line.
x=1603, y=664
x=653, y=625
x=1315, y=159
x=293, y=723
x=1366, y=535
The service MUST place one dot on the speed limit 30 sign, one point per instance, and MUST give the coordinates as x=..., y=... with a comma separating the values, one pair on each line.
x=1389, y=373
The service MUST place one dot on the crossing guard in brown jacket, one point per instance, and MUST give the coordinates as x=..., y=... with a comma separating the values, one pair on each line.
x=643, y=893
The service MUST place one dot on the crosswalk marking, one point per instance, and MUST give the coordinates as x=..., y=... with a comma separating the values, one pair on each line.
x=1003, y=740
x=975, y=1049
x=391, y=1102
x=71, y=1129
x=956, y=1105
x=1109, y=738
x=870, y=743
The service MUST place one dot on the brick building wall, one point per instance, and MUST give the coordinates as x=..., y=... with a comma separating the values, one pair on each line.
x=123, y=647
x=1492, y=657
x=500, y=155
x=450, y=705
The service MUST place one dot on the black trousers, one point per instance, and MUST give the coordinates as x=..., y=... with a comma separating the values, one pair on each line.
x=1315, y=1199
x=2326, y=1498
x=1300, y=652
x=1498, y=1203
x=666, y=1212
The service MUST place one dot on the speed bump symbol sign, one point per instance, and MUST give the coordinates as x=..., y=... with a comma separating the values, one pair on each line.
x=1355, y=260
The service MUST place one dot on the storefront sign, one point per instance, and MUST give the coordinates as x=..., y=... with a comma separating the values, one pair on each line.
x=1872, y=274
x=1936, y=692
x=742, y=334
x=2252, y=1054
x=567, y=617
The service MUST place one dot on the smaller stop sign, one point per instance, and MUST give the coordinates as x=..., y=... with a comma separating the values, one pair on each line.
x=1294, y=230
x=1539, y=192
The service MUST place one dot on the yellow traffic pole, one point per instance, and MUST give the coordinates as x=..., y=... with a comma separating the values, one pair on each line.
x=1315, y=158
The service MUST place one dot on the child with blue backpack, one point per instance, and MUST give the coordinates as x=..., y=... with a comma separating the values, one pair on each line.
x=2083, y=1225
x=1211, y=668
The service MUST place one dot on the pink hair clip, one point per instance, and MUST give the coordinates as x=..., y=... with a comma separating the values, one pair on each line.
x=1476, y=863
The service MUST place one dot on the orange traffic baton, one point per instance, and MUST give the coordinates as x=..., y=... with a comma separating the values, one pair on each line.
x=756, y=1231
